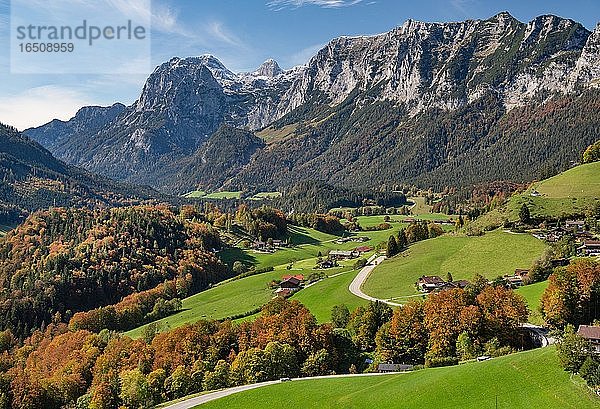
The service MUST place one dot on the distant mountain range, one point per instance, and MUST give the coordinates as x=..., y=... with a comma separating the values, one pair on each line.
x=435, y=104
x=32, y=179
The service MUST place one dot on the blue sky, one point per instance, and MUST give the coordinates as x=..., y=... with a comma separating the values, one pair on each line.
x=242, y=34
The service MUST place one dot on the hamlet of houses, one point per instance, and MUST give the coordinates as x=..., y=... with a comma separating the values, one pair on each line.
x=587, y=245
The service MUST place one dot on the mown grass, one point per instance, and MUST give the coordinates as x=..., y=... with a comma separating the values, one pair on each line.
x=322, y=296
x=532, y=379
x=493, y=254
x=532, y=294
x=580, y=181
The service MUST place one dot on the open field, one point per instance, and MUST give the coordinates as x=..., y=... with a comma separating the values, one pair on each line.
x=265, y=195
x=572, y=192
x=215, y=195
x=531, y=379
x=532, y=294
x=580, y=181
x=493, y=254
x=323, y=295
x=420, y=207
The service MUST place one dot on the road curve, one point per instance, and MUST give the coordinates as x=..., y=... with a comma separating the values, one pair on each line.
x=362, y=276
x=199, y=400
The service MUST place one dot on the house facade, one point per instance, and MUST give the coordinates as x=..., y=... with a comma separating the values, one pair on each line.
x=592, y=334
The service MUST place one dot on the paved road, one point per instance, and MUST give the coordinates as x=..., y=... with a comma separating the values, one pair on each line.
x=541, y=333
x=362, y=276
x=199, y=400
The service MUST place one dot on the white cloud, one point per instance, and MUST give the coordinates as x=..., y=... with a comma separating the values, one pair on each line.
x=304, y=55
x=219, y=32
x=330, y=4
x=37, y=106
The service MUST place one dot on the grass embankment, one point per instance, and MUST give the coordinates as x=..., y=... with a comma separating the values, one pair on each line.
x=493, y=254
x=570, y=193
x=532, y=379
x=532, y=294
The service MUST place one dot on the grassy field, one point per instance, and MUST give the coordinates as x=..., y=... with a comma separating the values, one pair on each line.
x=580, y=181
x=532, y=294
x=215, y=195
x=531, y=379
x=420, y=207
x=572, y=192
x=493, y=254
x=322, y=296
x=237, y=296
x=265, y=195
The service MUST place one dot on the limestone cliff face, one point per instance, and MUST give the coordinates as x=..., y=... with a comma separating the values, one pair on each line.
x=415, y=67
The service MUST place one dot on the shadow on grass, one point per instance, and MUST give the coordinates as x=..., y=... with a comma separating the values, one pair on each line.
x=233, y=254
x=298, y=237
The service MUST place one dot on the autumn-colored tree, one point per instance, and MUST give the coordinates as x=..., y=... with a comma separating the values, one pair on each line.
x=502, y=311
x=443, y=321
x=404, y=339
x=573, y=294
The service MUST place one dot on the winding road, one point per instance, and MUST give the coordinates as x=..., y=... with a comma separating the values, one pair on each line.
x=360, y=278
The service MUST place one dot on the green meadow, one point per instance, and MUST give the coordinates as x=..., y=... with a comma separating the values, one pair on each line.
x=532, y=294
x=532, y=379
x=493, y=254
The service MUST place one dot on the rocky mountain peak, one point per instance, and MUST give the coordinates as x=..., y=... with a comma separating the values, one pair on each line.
x=269, y=68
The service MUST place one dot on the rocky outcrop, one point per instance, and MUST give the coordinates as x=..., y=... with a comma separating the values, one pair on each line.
x=414, y=68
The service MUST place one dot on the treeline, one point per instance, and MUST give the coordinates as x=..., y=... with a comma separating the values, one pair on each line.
x=59, y=367
x=573, y=295
x=325, y=223
x=319, y=197
x=572, y=298
x=62, y=261
x=136, y=309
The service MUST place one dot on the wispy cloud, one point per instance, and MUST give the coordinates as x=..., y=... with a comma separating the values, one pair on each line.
x=330, y=4
x=219, y=32
x=39, y=105
x=462, y=6
x=303, y=56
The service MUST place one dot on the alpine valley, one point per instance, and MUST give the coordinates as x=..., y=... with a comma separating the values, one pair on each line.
x=429, y=104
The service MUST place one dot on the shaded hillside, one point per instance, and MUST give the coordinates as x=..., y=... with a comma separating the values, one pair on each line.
x=62, y=261
x=33, y=179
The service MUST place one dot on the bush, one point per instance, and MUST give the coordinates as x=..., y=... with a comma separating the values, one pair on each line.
x=443, y=361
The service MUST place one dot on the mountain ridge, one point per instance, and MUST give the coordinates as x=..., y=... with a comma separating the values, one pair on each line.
x=414, y=70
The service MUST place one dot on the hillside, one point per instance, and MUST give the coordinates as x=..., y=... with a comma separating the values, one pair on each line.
x=523, y=380
x=493, y=254
x=435, y=104
x=62, y=261
x=33, y=179
x=582, y=181
x=572, y=193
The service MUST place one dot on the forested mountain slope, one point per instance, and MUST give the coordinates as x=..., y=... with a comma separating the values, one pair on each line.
x=429, y=103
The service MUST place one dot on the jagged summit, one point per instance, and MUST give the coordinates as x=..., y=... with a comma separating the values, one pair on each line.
x=417, y=68
x=269, y=68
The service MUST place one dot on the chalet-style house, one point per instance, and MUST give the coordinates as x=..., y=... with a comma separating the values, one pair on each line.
x=456, y=284
x=343, y=254
x=590, y=248
x=428, y=284
x=575, y=226
x=592, y=334
x=291, y=283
